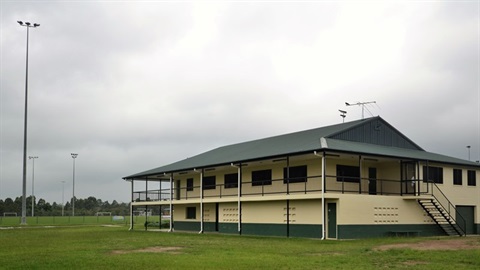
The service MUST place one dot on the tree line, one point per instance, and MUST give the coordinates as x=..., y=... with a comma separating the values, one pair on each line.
x=83, y=207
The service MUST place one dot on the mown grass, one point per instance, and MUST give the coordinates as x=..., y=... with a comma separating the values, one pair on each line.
x=81, y=220
x=98, y=247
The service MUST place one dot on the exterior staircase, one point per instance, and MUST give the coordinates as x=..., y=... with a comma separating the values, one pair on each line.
x=441, y=216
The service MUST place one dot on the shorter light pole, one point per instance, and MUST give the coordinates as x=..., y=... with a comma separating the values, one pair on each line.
x=33, y=180
x=74, y=156
x=63, y=196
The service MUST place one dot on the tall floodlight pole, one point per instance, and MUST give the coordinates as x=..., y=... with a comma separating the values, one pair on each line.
x=33, y=181
x=74, y=156
x=468, y=149
x=361, y=104
x=24, y=186
x=63, y=196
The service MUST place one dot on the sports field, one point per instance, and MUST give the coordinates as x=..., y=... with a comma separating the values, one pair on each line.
x=114, y=247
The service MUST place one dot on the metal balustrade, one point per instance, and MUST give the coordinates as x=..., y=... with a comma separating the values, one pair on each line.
x=311, y=184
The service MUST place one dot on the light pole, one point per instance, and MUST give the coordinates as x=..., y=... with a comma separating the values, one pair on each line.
x=33, y=180
x=24, y=186
x=74, y=156
x=63, y=196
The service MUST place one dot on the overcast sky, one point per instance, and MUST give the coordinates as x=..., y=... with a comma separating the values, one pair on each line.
x=131, y=86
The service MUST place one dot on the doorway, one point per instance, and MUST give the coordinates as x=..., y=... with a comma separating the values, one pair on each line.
x=372, y=181
x=177, y=189
x=332, y=220
x=468, y=214
x=408, y=177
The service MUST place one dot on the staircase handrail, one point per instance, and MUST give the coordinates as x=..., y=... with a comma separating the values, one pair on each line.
x=461, y=226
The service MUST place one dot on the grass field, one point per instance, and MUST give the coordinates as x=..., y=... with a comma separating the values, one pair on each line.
x=114, y=247
x=80, y=220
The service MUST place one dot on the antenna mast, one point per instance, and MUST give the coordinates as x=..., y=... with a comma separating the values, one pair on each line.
x=343, y=114
x=361, y=104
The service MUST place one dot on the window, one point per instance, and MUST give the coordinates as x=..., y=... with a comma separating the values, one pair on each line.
x=190, y=184
x=191, y=213
x=457, y=177
x=472, y=178
x=260, y=178
x=209, y=182
x=231, y=180
x=296, y=174
x=433, y=174
x=348, y=174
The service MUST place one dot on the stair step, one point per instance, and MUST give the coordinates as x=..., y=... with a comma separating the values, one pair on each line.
x=440, y=216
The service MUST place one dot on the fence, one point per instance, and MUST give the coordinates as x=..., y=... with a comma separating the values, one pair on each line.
x=65, y=220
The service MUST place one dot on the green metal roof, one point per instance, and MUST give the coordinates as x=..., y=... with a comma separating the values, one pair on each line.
x=297, y=143
x=396, y=152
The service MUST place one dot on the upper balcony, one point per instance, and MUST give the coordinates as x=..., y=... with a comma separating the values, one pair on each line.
x=280, y=187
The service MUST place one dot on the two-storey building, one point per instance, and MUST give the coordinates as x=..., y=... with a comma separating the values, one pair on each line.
x=352, y=180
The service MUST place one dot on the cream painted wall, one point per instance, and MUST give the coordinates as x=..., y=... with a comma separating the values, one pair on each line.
x=464, y=194
x=228, y=212
x=388, y=175
x=264, y=212
x=301, y=212
x=179, y=212
x=306, y=212
x=375, y=210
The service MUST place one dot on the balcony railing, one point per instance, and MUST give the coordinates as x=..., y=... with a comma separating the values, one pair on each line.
x=305, y=185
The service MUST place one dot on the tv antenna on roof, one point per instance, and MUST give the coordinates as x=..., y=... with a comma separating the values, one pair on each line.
x=343, y=114
x=361, y=104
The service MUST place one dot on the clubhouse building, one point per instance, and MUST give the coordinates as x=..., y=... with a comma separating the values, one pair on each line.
x=352, y=180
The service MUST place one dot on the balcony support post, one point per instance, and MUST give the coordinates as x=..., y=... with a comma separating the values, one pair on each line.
x=131, y=207
x=171, y=203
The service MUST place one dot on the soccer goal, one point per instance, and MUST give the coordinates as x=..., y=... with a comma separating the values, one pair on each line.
x=10, y=214
x=101, y=214
x=143, y=213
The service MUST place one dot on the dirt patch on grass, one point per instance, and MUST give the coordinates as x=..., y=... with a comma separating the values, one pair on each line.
x=326, y=254
x=170, y=250
x=413, y=263
x=440, y=244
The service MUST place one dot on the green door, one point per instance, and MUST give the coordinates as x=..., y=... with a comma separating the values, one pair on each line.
x=468, y=214
x=332, y=220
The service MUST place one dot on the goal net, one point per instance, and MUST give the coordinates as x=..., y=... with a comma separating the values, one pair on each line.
x=10, y=214
x=147, y=213
x=103, y=214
